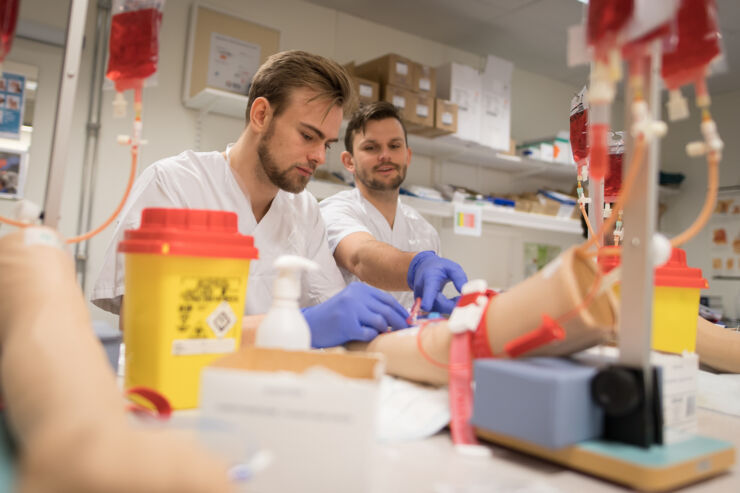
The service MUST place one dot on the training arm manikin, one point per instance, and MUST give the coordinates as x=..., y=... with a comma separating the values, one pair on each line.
x=60, y=395
x=556, y=290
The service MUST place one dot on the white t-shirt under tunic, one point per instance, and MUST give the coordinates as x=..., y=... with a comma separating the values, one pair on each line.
x=204, y=180
x=349, y=212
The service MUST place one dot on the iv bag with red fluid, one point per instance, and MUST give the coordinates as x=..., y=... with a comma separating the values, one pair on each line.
x=579, y=128
x=8, y=21
x=605, y=19
x=697, y=45
x=134, y=42
x=613, y=180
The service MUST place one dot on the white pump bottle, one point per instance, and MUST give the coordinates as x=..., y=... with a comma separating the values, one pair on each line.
x=284, y=326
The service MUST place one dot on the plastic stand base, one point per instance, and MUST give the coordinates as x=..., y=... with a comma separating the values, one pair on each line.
x=657, y=468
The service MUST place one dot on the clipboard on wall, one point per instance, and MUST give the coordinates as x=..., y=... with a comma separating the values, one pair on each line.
x=224, y=51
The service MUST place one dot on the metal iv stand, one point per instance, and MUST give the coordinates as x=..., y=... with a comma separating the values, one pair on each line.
x=636, y=308
x=65, y=111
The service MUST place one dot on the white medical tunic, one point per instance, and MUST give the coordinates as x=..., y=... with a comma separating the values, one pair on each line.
x=204, y=180
x=349, y=212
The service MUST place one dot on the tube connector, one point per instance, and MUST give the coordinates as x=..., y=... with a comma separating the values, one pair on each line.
x=602, y=87
x=677, y=106
x=644, y=125
x=119, y=105
x=712, y=141
x=607, y=210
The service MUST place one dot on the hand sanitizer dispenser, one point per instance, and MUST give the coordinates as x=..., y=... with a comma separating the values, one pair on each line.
x=284, y=326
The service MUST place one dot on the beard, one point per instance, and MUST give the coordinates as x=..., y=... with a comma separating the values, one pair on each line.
x=286, y=179
x=377, y=184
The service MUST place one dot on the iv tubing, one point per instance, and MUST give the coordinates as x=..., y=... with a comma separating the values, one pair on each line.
x=709, y=203
x=428, y=357
x=131, y=178
x=588, y=223
x=90, y=234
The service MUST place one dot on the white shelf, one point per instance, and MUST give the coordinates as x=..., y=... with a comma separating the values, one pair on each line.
x=491, y=214
x=450, y=148
x=216, y=101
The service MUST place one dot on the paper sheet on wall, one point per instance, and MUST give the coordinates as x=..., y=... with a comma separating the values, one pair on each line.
x=232, y=63
x=496, y=94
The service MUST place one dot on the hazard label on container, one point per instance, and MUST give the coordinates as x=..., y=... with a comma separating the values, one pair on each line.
x=204, y=308
x=222, y=319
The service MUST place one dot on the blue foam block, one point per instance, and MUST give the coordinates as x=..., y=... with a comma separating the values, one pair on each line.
x=546, y=401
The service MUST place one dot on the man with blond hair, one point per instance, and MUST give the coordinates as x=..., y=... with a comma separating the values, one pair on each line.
x=294, y=111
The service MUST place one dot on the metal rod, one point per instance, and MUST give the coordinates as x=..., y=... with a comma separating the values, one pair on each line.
x=90, y=157
x=636, y=309
x=65, y=112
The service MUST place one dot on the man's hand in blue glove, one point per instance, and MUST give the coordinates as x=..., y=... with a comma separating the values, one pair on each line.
x=359, y=312
x=428, y=273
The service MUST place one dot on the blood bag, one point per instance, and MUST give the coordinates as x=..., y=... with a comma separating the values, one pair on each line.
x=605, y=19
x=697, y=44
x=613, y=180
x=579, y=129
x=8, y=21
x=134, y=42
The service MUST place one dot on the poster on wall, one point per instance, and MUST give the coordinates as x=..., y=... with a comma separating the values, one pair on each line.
x=13, y=164
x=12, y=88
x=724, y=229
x=232, y=63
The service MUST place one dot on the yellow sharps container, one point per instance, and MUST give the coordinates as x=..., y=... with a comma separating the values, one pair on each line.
x=185, y=284
x=675, y=302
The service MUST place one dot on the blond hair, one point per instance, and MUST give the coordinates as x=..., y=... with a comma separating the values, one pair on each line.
x=288, y=70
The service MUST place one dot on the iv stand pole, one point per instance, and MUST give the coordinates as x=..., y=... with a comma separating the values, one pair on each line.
x=65, y=112
x=636, y=310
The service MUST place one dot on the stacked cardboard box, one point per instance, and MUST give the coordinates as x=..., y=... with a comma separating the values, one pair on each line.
x=411, y=87
x=368, y=91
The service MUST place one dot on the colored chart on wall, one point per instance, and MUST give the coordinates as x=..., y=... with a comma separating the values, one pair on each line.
x=468, y=220
x=725, y=234
x=12, y=89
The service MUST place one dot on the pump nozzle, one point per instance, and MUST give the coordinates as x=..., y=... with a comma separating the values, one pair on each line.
x=284, y=326
x=287, y=285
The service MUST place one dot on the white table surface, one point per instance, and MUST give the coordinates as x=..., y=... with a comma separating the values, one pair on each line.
x=432, y=465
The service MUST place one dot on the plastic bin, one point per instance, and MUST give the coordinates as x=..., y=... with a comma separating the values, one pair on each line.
x=186, y=282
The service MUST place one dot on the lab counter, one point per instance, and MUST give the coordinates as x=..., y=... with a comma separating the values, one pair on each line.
x=433, y=465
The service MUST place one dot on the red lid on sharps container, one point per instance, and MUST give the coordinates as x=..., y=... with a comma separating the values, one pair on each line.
x=674, y=273
x=188, y=232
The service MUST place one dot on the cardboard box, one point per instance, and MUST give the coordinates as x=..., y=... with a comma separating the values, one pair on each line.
x=389, y=69
x=425, y=79
x=423, y=114
x=402, y=98
x=368, y=91
x=445, y=119
x=315, y=412
x=462, y=85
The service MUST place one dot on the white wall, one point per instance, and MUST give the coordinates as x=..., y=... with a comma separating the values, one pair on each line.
x=540, y=108
x=684, y=208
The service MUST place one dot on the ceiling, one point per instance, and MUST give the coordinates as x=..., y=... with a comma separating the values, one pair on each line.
x=530, y=33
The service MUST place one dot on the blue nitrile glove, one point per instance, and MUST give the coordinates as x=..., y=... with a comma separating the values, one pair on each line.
x=428, y=273
x=359, y=312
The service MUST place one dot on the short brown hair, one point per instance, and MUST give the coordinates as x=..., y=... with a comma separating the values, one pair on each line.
x=379, y=110
x=288, y=70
